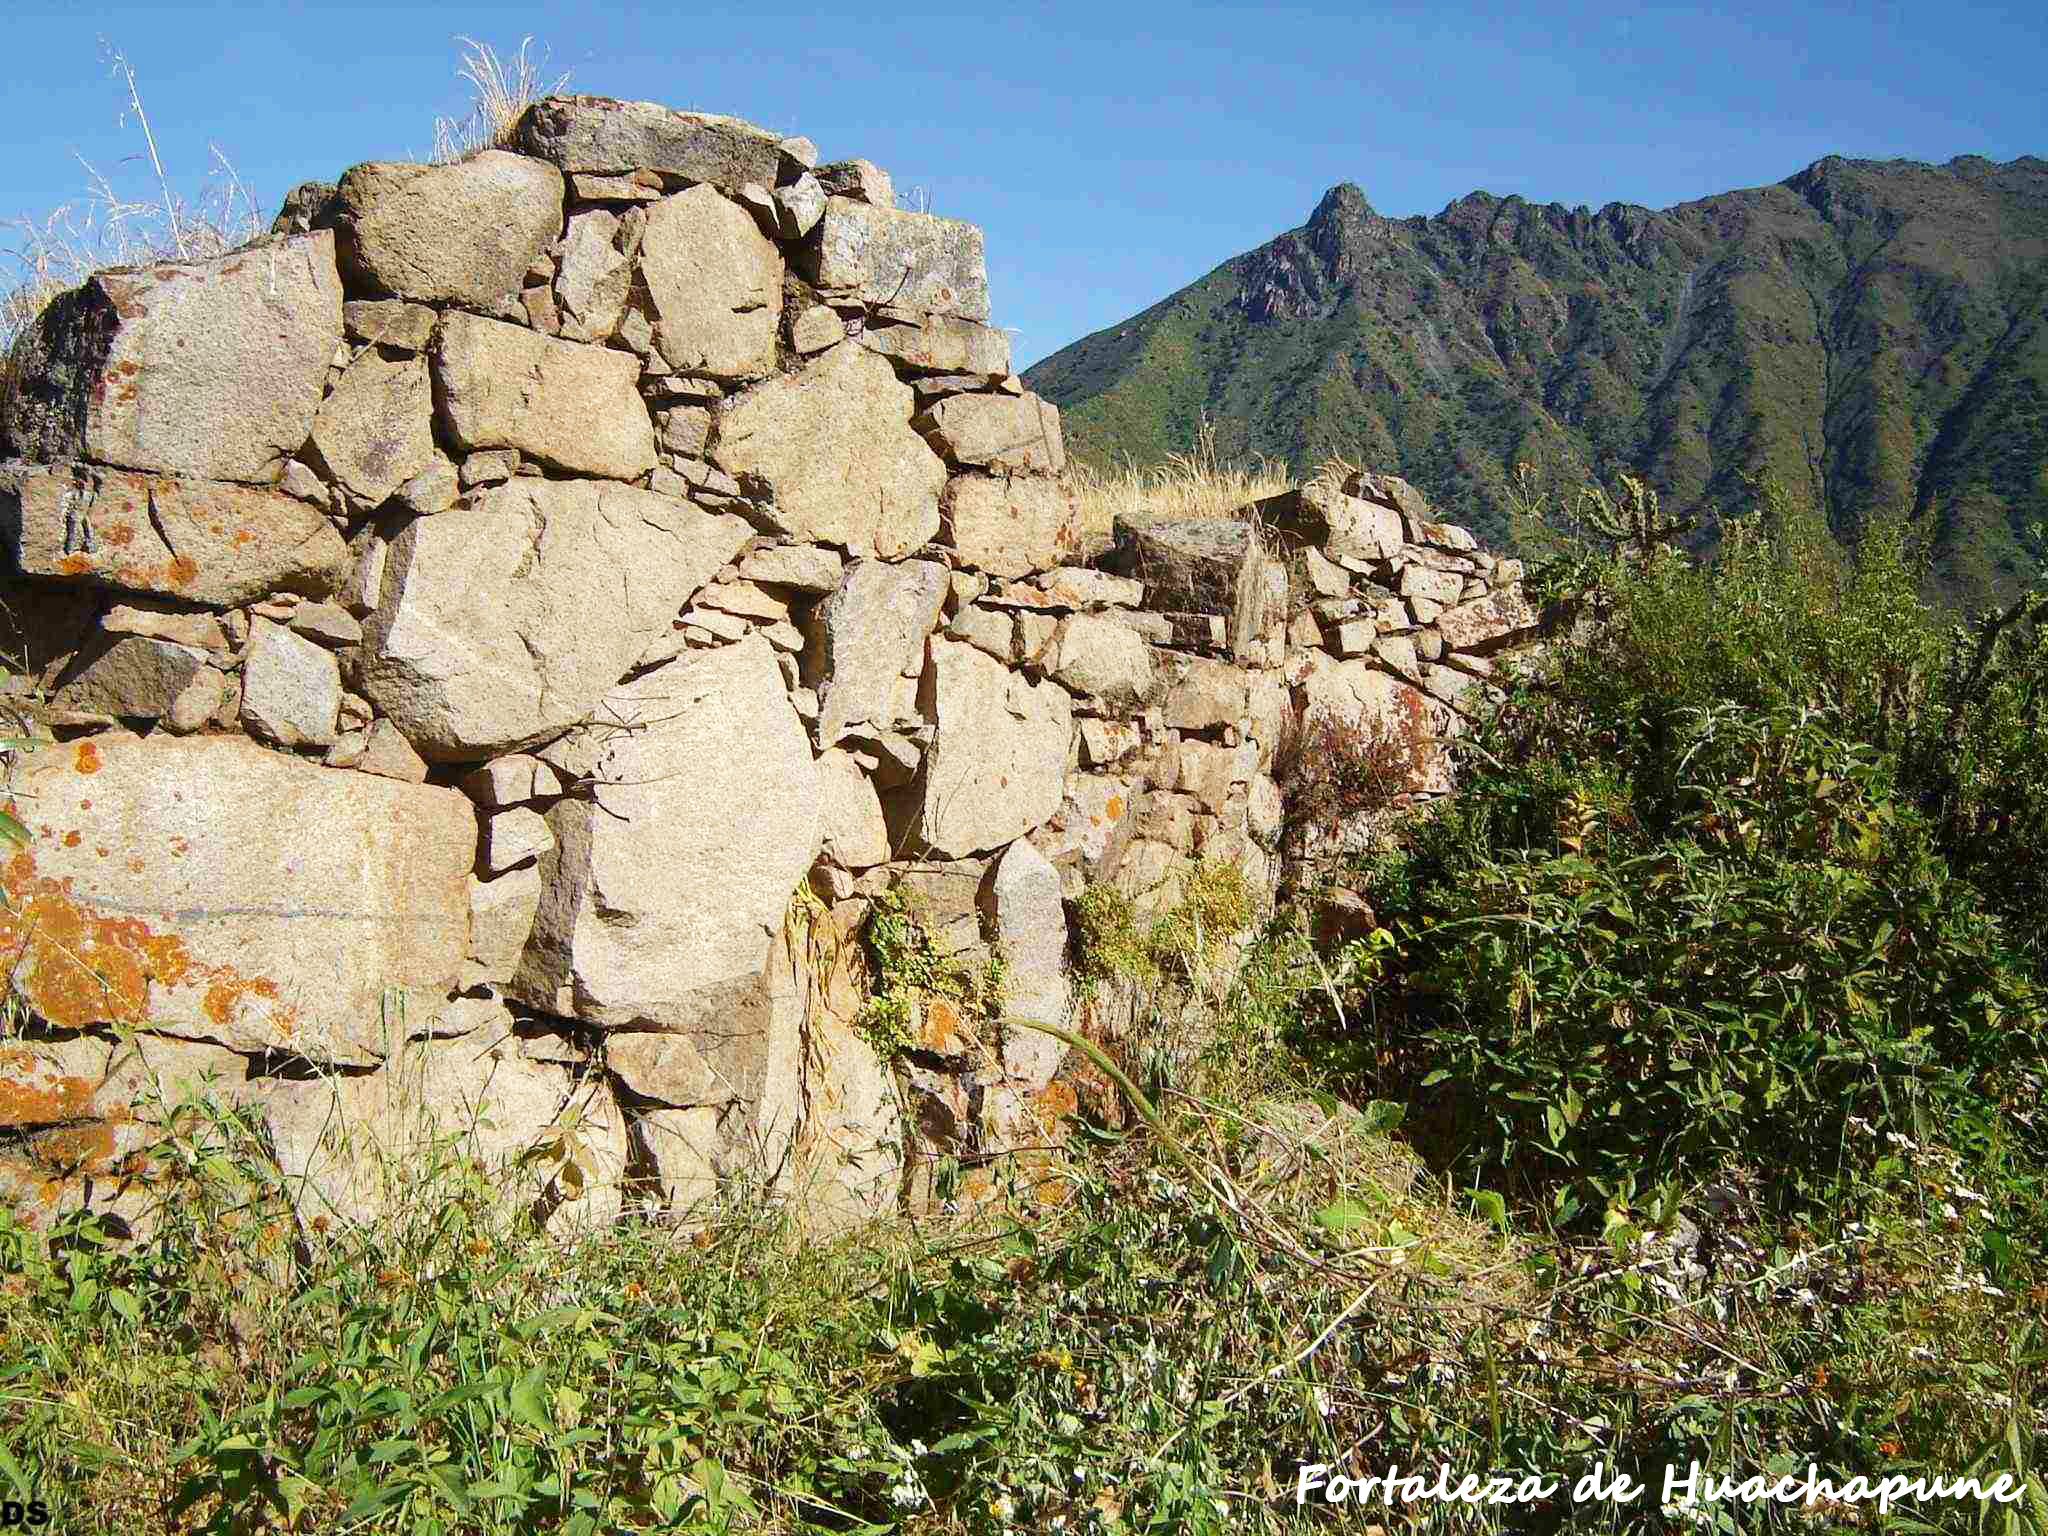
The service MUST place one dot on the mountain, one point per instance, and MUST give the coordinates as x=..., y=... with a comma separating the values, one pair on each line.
x=1872, y=333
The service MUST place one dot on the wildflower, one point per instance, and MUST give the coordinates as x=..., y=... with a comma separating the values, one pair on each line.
x=1889, y=1447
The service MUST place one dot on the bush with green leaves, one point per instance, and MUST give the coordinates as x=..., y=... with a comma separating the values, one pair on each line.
x=1713, y=889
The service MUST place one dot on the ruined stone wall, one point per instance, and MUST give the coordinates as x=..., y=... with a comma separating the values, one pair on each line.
x=505, y=632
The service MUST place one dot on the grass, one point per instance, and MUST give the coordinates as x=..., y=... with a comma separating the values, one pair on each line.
x=501, y=89
x=1199, y=483
x=162, y=216
x=1276, y=1282
x=119, y=224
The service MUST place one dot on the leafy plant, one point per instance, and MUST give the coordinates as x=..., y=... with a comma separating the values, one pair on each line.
x=1115, y=942
x=1700, y=904
x=910, y=968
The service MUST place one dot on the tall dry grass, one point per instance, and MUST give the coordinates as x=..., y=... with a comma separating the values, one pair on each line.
x=501, y=89
x=121, y=223
x=118, y=224
x=1198, y=483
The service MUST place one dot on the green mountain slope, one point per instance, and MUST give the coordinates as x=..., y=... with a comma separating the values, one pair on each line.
x=1874, y=334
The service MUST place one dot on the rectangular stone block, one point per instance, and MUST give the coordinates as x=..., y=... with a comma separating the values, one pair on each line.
x=1348, y=529
x=205, y=542
x=597, y=135
x=1005, y=434
x=890, y=256
x=575, y=407
x=173, y=884
x=211, y=369
x=941, y=344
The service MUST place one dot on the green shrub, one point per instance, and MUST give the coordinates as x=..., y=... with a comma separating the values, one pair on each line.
x=1671, y=1005
x=1708, y=895
x=1111, y=945
x=909, y=968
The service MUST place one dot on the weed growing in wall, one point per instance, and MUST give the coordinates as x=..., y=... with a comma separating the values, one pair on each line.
x=910, y=968
x=1118, y=943
x=1338, y=771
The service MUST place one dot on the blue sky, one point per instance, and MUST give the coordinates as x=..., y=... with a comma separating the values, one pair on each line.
x=1113, y=153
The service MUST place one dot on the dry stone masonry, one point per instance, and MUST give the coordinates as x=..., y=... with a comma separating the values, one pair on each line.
x=505, y=632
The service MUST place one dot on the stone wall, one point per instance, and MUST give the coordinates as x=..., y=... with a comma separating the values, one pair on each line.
x=504, y=632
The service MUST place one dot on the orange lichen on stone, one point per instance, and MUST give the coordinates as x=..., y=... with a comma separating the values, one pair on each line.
x=940, y=1027
x=33, y=1092
x=76, y=967
x=87, y=758
x=226, y=990
x=89, y=1149
x=1113, y=807
x=1053, y=1103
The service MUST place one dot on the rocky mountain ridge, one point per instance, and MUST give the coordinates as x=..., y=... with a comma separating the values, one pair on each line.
x=1872, y=334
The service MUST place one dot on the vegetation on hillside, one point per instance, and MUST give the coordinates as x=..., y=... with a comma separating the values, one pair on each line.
x=1872, y=334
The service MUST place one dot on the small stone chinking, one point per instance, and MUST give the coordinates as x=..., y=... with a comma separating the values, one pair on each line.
x=493, y=626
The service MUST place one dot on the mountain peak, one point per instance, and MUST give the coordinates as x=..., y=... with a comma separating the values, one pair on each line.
x=1342, y=202
x=1502, y=330
x=1342, y=228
